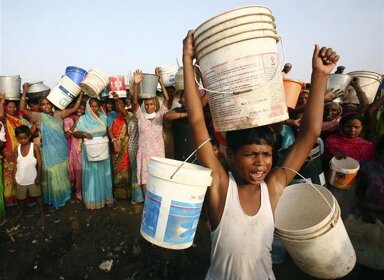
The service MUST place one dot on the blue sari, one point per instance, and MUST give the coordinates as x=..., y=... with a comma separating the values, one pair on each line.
x=55, y=184
x=96, y=175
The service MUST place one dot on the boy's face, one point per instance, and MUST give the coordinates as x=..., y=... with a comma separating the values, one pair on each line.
x=23, y=138
x=252, y=163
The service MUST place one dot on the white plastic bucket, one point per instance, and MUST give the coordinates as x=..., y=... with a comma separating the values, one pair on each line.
x=168, y=73
x=179, y=79
x=64, y=92
x=369, y=83
x=10, y=86
x=313, y=232
x=117, y=84
x=240, y=69
x=343, y=172
x=97, y=148
x=148, y=86
x=172, y=206
x=94, y=82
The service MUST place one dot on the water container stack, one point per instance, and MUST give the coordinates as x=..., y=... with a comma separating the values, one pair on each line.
x=94, y=83
x=168, y=73
x=238, y=58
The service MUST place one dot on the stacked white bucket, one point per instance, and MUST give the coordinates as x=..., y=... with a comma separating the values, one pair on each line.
x=94, y=82
x=238, y=58
x=64, y=92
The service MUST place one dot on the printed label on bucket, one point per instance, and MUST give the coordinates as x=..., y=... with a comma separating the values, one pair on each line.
x=182, y=222
x=151, y=213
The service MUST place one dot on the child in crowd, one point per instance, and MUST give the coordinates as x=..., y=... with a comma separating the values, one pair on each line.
x=248, y=197
x=28, y=171
x=150, y=123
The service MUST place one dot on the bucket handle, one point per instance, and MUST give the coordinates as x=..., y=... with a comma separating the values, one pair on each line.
x=326, y=201
x=201, y=145
x=275, y=75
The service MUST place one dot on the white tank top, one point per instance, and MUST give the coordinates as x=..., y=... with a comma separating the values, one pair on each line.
x=241, y=244
x=26, y=167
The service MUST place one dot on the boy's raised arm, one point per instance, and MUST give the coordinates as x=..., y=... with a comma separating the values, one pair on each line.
x=218, y=190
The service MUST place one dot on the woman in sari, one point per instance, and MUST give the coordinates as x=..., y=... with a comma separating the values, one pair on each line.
x=11, y=121
x=2, y=145
x=55, y=183
x=96, y=175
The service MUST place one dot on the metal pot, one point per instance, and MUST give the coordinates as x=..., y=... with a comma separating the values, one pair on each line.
x=10, y=85
x=38, y=90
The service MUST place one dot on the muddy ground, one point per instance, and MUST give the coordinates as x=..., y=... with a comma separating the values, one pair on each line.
x=75, y=241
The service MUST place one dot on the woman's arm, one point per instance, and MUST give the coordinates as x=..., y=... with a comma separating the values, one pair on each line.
x=163, y=89
x=23, y=103
x=70, y=111
x=2, y=101
x=173, y=115
x=138, y=77
x=119, y=105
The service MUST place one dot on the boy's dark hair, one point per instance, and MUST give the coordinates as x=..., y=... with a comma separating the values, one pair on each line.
x=257, y=135
x=22, y=129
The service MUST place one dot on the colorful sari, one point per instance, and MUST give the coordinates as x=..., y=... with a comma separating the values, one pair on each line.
x=133, y=144
x=55, y=183
x=74, y=157
x=9, y=160
x=120, y=160
x=2, y=204
x=96, y=175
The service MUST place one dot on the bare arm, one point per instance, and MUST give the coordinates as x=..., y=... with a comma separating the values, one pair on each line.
x=218, y=190
x=138, y=77
x=361, y=96
x=2, y=101
x=119, y=105
x=323, y=62
x=70, y=111
x=173, y=115
x=163, y=89
x=23, y=103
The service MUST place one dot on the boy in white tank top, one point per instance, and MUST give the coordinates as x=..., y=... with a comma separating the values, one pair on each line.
x=27, y=172
x=241, y=204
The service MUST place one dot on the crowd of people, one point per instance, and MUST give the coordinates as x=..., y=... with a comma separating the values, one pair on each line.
x=44, y=160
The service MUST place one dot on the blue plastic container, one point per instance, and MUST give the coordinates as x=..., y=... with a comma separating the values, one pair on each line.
x=76, y=74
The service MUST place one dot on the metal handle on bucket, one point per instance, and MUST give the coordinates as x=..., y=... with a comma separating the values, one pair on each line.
x=275, y=75
x=194, y=152
x=326, y=201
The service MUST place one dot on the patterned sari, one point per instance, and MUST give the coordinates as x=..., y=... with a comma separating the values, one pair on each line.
x=55, y=183
x=9, y=160
x=96, y=175
x=2, y=204
x=120, y=160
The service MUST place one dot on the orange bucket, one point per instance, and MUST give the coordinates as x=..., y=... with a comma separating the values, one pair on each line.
x=343, y=172
x=292, y=90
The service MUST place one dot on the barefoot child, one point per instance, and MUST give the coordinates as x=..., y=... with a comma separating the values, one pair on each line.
x=28, y=171
x=241, y=204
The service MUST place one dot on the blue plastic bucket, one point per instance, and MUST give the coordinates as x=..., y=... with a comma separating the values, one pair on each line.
x=76, y=74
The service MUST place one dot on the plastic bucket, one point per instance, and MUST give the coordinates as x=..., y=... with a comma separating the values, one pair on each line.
x=63, y=93
x=168, y=73
x=369, y=83
x=76, y=74
x=172, y=206
x=10, y=85
x=292, y=90
x=238, y=60
x=97, y=148
x=339, y=82
x=313, y=232
x=94, y=82
x=343, y=172
x=179, y=79
x=312, y=169
x=148, y=86
x=117, y=84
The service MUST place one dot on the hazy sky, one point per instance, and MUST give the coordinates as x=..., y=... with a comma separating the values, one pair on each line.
x=39, y=38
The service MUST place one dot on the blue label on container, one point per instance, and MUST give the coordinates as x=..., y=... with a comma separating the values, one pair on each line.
x=66, y=92
x=182, y=222
x=151, y=213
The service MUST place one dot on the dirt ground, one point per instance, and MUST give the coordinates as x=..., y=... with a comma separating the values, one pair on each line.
x=75, y=241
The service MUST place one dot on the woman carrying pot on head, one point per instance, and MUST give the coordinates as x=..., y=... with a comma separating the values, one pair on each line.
x=55, y=183
x=96, y=174
x=150, y=123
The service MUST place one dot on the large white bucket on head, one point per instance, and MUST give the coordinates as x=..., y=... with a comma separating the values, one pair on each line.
x=64, y=92
x=168, y=73
x=313, y=232
x=369, y=83
x=238, y=59
x=10, y=86
x=172, y=205
x=343, y=172
x=94, y=82
x=148, y=86
x=97, y=148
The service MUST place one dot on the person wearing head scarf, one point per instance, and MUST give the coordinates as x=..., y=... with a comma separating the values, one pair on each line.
x=96, y=175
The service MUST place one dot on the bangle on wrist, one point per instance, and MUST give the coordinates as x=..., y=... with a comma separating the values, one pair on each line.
x=113, y=140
